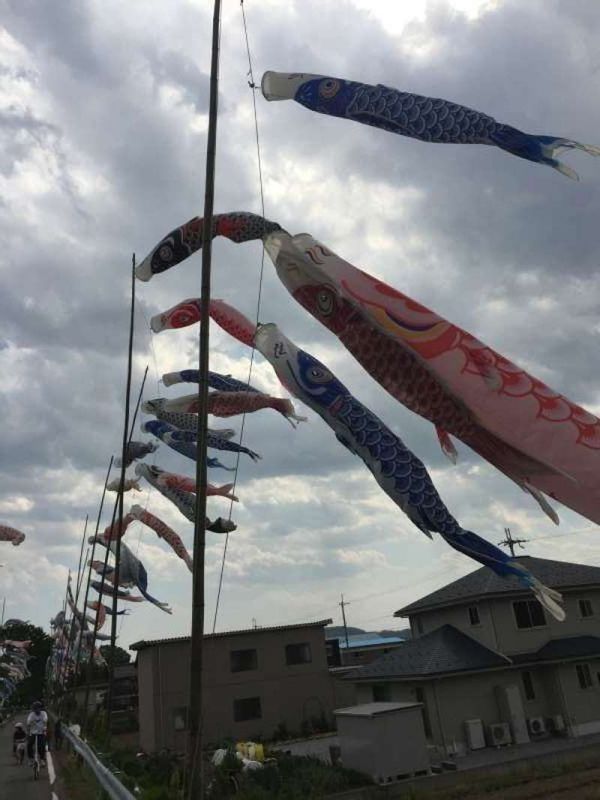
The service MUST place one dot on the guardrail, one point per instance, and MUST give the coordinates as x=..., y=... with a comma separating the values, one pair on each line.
x=106, y=779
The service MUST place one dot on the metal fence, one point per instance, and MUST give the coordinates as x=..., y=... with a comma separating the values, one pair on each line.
x=109, y=782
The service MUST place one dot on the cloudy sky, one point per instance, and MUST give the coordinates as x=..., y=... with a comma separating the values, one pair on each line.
x=103, y=117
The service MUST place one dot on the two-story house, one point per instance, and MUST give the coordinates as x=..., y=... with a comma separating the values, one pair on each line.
x=256, y=682
x=489, y=663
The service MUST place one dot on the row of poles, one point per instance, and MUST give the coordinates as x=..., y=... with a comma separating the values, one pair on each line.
x=194, y=785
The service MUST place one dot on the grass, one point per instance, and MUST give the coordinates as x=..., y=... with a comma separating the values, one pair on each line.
x=524, y=777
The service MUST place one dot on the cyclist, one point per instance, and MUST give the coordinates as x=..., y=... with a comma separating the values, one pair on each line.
x=37, y=725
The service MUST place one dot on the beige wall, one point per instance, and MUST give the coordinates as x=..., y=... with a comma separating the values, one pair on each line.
x=498, y=629
x=451, y=701
x=289, y=694
x=582, y=705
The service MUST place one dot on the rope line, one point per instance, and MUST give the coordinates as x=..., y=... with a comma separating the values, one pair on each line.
x=252, y=87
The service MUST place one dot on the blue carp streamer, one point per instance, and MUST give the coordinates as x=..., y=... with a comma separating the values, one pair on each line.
x=401, y=475
x=429, y=119
x=163, y=432
x=178, y=435
x=222, y=383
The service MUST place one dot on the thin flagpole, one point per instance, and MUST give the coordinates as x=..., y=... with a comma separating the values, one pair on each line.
x=87, y=587
x=63, y=676
x=115, y=598
x=196, y=775
x=103, y=584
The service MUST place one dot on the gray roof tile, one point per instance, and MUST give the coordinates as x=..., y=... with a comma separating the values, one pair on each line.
x=444, y=650
x=559, y=575
x=321, y=623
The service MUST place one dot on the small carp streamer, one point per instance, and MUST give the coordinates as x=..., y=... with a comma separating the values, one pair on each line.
x=537, y=437
x=177, y=435
x=229, y=404
x=163, y=532
x=184, y=500
x=107, y=589
x=187, y=313
x=133, y=572
x=8, y=534
x=428, y=119
x=185, y=484
x=164, y=431
x=101, y=612
x=222, y=383
x=239, y=226
x=401, y=475
x=128, y=485
x=184, y=422
x=135, y=451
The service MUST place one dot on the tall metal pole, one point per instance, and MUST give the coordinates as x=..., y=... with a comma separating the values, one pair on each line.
x=196, y=774
x=115, y=599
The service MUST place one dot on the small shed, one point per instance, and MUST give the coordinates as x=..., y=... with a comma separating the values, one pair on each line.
x=384, y=740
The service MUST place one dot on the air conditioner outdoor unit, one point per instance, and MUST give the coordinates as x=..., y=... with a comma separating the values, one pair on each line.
x=499, y=734
x=558, y=723
x=474, y=731
x=536, y=726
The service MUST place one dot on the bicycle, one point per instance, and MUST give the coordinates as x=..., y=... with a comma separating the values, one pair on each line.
x=36, y=757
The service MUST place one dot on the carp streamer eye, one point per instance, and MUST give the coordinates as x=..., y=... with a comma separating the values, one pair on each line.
x=325, y=301
x=166, y=252
x=319, y=375
x=329, y=88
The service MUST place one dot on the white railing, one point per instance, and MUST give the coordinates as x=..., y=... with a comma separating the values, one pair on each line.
x=106, y=779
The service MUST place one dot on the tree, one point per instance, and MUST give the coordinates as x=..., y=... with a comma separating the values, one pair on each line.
x=121, y=656
x=31, y=688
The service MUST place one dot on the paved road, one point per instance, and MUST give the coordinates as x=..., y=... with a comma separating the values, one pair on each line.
x=16, y=782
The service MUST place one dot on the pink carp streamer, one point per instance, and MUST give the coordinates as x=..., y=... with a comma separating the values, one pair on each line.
x=163, y=532
x=8, y=534
x=174, y=481
x=184, y=500
x=537, y=437
x=187, y=313
x=19, y=645
x=228, y=404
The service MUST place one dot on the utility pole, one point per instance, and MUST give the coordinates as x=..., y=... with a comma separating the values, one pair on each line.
x=510, y=542
x=343, y=605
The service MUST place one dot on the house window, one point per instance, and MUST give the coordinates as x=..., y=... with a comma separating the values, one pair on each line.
x=180, y=719
x=584, y=676
x=420, y=697
x=529, y=614
x=585, y=608
x=474, y=616
x=243, y=660
x=382, y=693
x=528, y=685
x=246, y=709
x=298, y=653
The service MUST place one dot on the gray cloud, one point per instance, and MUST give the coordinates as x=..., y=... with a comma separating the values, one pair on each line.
x=102, y=125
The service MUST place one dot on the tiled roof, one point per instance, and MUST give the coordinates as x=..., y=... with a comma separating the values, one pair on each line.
x=566, y=647
x=556, y=574
x=151, y=642
x=444, y=650
x=369, y=640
